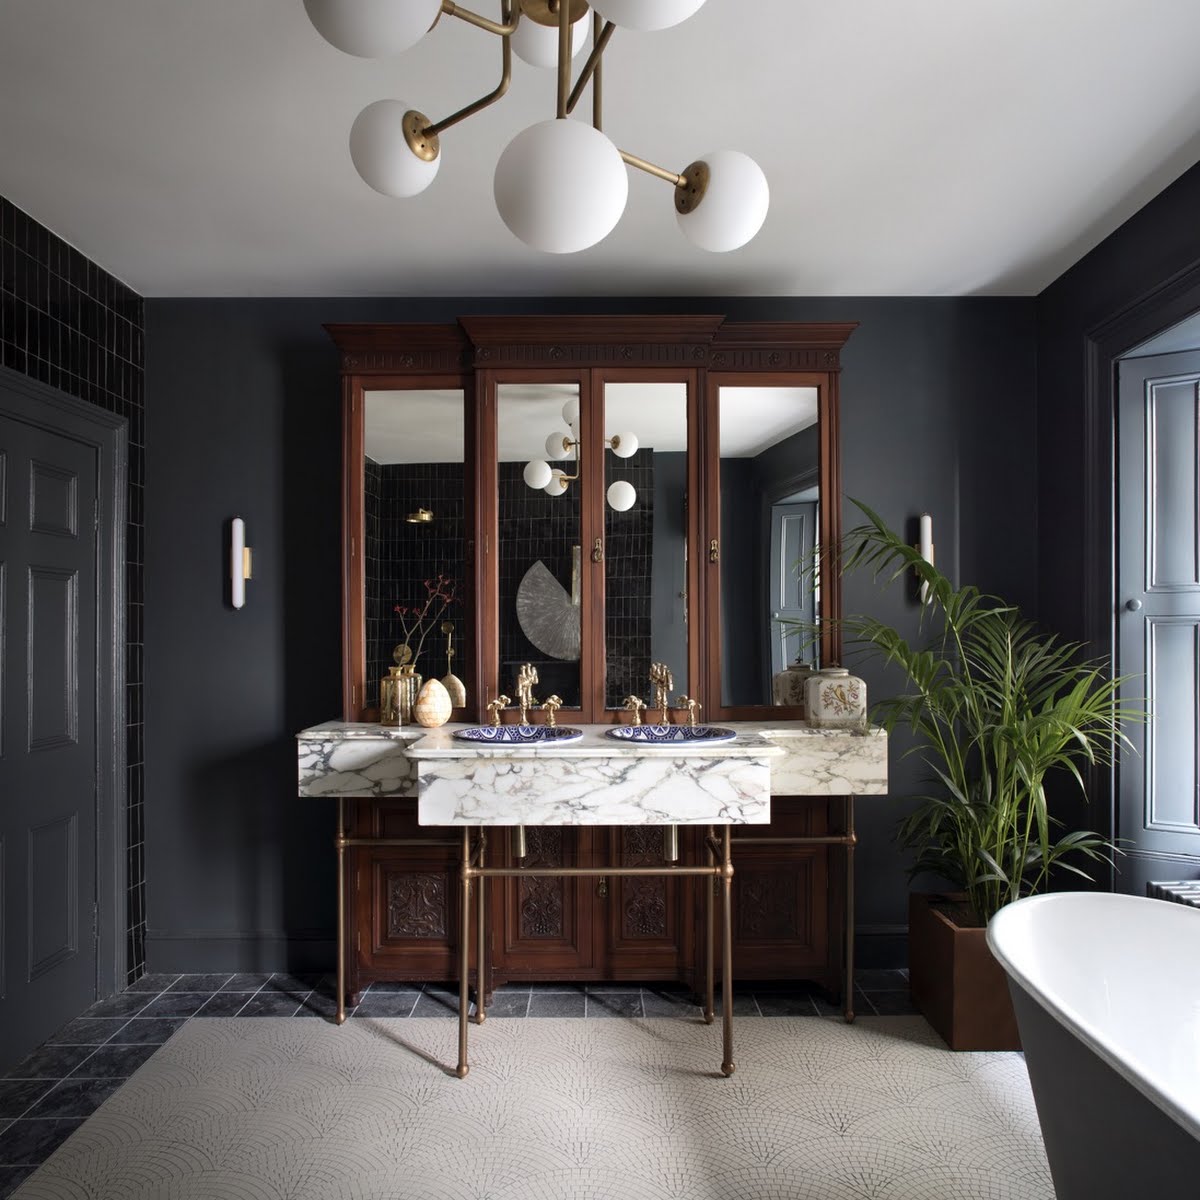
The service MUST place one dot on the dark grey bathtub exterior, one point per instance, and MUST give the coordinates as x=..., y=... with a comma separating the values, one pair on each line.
x=1104, y=1139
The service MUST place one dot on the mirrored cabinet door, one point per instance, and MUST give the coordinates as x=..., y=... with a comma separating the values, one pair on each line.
x=415, y=537
x=539, y=551
x=646, y=511
x=768, y=525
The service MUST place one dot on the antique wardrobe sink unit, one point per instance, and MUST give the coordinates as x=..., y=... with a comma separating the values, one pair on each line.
x=618, y=508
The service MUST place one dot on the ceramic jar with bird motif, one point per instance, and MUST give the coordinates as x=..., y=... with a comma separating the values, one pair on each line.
x=835, y=699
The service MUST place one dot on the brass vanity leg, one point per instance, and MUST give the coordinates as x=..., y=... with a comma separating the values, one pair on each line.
x=480, y=940
x=464, y=953
x=848, y=1011
x=710, y=884
x=727, y=1063
x=339, y=842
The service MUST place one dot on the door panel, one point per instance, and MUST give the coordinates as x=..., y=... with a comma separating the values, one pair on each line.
x=48, y=626
x=1158, y=606
x=641, y=921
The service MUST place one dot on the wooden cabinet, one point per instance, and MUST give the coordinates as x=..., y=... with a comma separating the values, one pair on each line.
x=736, y=428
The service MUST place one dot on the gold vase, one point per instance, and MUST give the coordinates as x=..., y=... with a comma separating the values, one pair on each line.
x=397, y=695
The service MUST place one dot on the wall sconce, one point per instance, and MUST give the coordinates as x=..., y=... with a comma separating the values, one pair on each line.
x=239, y=562
x=421, y=517
x=540, y=475
x=925, y=547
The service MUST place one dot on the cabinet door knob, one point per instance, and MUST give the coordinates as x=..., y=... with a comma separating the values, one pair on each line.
x=602, y=887
x=1133, y=605
x=598, y=551
x=714, y=551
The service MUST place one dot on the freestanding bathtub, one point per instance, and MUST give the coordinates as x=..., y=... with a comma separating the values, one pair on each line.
x=1107, y=994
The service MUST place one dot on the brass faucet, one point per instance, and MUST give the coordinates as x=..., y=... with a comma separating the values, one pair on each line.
x=526, y=678
x=660, y=676
x=692, y=706
x=635, y=705
x=550, y=706
x=495, y=707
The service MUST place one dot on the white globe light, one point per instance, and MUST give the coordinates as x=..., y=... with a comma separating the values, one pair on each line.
x=734, y=204
x=646, y=14
x=560, y=186
x=537, y=473
x=373, y=28
x=538, y=44
x=556, y=486
x=382, y=155
x=621, y=495
x=570, y=412
x=625, y=445
x=555, y=449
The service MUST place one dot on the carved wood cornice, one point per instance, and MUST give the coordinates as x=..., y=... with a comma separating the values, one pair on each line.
x=399, y=349
x=780, y=345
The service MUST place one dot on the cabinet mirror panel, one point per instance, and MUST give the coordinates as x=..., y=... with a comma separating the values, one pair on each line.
x=539, y=483
x=769, y=454
x=414, y=546
x=645, y=538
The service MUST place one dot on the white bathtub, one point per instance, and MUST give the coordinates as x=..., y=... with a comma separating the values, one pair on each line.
x=1107, y=993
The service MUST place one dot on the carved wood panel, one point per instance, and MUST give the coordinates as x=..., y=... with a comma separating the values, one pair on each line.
x=417, y=905
x=643, y=900
x=542, y=901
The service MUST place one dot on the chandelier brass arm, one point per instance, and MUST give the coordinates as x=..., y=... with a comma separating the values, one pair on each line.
x=430, y=133
x=473, y=18
x=602, y=32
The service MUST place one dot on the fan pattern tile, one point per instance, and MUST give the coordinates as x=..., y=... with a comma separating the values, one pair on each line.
x=558, y=1110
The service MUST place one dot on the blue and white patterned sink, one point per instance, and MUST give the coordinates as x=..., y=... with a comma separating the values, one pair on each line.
x=519, y=735
x=671, y=735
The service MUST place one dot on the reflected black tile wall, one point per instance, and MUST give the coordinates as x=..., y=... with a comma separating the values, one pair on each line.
x=629, y=556
x=401, y=556
x=69, y=324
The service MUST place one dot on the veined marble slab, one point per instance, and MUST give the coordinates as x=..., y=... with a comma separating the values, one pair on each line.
x=340, y=758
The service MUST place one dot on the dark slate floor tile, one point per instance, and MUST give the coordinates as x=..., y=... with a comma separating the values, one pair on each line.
x=389, y=985
x=87, y=1031
x=614, y=1004
x=51, y=1062
x=442, y=1004
x=147, y=1031
x=782, y=1005
x=152, y=983
x=882, y=981
x=124, y=1004
x=25, y=1141
x=176, y=1004
x=271, y=1004
x=557, y=1004
x=891, y=1003
x=317, y=1005
x=508, y=1004
x=16, y=1095
x=245, y=982
x=511, y=989
x=826, y=1007
x=744, y=1005
x=224, y=1004
x=11, y=1178
x=570, y=989
x=387, y=1004
x=75, y=1098
x=201, y=983
x=113, y=1062
x=669, y=1004
x=292, y=985
x=599, y=989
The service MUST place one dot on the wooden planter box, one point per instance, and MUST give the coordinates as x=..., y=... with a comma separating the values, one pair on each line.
x=955, y=982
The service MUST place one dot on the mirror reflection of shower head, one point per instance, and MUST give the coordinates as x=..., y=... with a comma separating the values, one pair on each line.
x=421, y=517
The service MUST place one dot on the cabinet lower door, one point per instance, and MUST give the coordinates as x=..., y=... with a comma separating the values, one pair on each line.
x=639, y=925
x=543, y=926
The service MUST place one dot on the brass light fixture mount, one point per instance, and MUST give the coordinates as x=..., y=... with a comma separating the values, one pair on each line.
x=546, y=12
x=690, y=192
x=423, y=143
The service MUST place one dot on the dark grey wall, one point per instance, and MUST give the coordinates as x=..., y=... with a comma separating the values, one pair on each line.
x=938, y=414
x=1141, y=279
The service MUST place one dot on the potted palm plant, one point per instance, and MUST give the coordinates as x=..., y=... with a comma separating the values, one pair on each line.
x=998, y=707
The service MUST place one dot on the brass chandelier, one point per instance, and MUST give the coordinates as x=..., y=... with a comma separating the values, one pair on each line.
x=560, y=185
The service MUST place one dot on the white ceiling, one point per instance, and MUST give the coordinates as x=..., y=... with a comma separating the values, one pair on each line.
x=932, y=147
x=427, y=425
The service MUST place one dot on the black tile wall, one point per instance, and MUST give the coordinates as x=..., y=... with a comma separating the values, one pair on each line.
x=401, y=556
x=629, y=576
x=71, y=325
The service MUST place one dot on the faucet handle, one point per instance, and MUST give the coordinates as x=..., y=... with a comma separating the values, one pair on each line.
x=635, y=704
x=550, y=706
x=692, y=706
x=495, y=706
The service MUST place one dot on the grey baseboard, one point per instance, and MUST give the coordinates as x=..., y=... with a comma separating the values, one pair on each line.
x=262, y=950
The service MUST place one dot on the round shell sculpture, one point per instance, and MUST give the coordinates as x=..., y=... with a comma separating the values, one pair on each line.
x=433, y=705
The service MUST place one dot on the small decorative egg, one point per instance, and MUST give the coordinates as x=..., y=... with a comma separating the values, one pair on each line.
x=433, y=705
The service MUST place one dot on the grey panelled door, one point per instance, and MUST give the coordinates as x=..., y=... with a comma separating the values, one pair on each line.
x=1158, y=606
x=48, y=631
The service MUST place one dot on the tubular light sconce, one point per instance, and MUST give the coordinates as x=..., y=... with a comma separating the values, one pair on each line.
x=239, y=562
x=925, y=547
x=540, y=475
x=560, y=185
